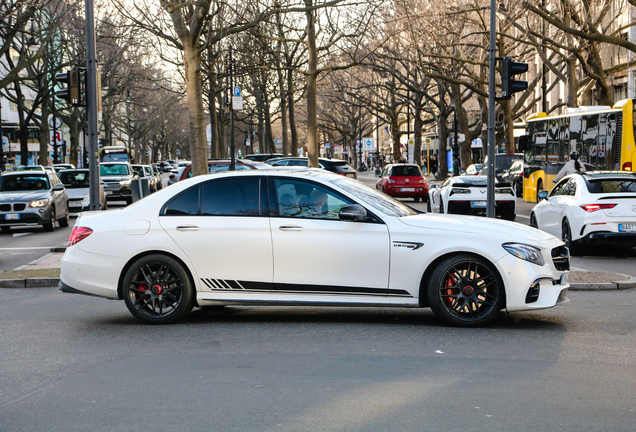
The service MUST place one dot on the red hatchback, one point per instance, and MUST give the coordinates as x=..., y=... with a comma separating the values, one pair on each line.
x=403, y=181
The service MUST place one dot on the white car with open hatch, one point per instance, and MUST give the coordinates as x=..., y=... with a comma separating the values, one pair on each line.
x=261, y=238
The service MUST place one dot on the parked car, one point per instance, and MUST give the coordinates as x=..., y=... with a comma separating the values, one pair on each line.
x=173, y=163
x=258, y=157
x=334, y=165
x=117, y=178
x=380, y=251
x=503, y=161
x=473, y=169
x=514, y=176
x=589, y=208
x=157, y=174
x=76, y=182
x=164, y=166
x=30, y=168
x=467, y=195
x=144, y=171
x=175, y=175
x=403, y=181
x=29, y=198
x=62, y=166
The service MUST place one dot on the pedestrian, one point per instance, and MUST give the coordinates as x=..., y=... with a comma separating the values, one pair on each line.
x=434, y=165
x=572, y=166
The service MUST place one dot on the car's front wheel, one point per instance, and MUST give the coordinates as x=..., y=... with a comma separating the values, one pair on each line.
x=157, y=289
x=465, y=290
x=441, y=205
x=566, y=236
x=66, y=220
x=50, y=225
x=533, y=221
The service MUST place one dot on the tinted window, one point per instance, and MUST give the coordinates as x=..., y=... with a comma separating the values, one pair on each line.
x=410, y=171
x=23, y=183
x=611, y=186
x=187, y=203
x=74, y=178
x=307, y=200
x=232, y=197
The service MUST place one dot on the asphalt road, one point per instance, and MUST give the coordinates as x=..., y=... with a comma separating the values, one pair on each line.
x=77, y=363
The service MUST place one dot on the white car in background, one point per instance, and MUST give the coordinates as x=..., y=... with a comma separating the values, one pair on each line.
x=589, y=208
x=466, y=194
x=157, y=255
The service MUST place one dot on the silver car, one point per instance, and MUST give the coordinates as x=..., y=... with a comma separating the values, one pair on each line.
x=30, y=198
x=76, y=182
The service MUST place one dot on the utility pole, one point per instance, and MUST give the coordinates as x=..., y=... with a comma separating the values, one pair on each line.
x=231, y=71
x=91, y=107
x=490, y=194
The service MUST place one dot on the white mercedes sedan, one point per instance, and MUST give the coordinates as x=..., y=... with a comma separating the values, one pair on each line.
x=589, y=208
x=307, y=238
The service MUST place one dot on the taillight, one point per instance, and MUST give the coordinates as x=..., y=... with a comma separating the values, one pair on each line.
x=594, y=207
x=78, y=234
x=422, y=181
x=171, y=176
x=390, y=181
x=627, y=166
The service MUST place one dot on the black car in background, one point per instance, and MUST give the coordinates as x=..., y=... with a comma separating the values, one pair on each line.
x=503, y=161
x=29, y=198
x=514, y=176
x=117, y=177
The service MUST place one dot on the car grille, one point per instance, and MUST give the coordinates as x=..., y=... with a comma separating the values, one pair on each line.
x=561, y=258
x=16, y=207
x=111, y=186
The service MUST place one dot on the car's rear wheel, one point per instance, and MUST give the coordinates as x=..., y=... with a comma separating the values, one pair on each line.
x=566, y=236
x=50, y=225
x=416, y=199
x=66, y=220
x=466, y=291
x=441, y=205
x=157, y=290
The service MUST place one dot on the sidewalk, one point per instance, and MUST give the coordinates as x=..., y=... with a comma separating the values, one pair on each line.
x=45, y=272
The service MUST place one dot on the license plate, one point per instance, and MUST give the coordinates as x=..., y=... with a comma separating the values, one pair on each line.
x=12, y=216
x=627, y=227
x=479, y=204
x=351, y=174
x=564, y=278
x=407, y=189
x=75, y=204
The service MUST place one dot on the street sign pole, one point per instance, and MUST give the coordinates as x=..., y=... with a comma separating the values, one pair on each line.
x=490, y=209
x=232, y=156
x=91, y=107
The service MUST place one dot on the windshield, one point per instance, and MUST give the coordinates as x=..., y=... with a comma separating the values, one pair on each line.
x=113, y=170
x=74, y=178
x=23, y=183
x=374, y=198
x=472, y=180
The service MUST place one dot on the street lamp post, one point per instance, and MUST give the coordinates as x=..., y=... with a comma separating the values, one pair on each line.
x=490, y=209
x=231, y=72
x=360, y=136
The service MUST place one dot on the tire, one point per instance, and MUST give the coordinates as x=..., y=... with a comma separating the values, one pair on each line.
x=5, y=228
x=50, y=225
x=65, y=221
x=465, y=291
x=157, y=290
x=441, y=206
x=566, y=236
x=533, y=221
x=105, y=205
x=428, y=206
x=416, y=199
x=129, y=201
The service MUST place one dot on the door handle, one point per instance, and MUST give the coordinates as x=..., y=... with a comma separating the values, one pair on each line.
x=187, y=228
x=290, y=228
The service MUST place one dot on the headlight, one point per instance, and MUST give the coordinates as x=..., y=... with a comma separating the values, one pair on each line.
x=39, y=203
x=459, y=191
x=525, y=252
x=124, y=183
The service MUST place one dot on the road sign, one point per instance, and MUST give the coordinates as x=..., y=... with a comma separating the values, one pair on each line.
x=237, y=102
x=237, y=91
x=59, y=135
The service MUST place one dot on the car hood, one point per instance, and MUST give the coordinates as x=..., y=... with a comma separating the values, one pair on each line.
x=75, y=193
x=510, y=231
x=24, y=196
x=113, y=178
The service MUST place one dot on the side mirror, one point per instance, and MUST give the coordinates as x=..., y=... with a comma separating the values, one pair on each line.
x=353, y=212
x=433, y=186
x=58, y=187
x=523, y=142
x=543, y=195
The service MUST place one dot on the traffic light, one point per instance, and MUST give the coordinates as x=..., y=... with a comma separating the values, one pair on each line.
x=509, y=85
x=71, y=93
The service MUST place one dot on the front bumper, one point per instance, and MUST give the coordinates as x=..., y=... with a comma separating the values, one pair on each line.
x=27, y=217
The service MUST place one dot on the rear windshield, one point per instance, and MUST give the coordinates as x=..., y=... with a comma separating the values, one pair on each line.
x=23, y=183
x=409, y=171
x=611, y=186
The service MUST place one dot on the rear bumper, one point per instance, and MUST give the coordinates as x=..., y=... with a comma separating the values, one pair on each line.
x=610, y=237
x=397, y=193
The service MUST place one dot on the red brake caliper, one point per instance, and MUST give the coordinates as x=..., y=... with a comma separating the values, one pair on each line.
x=448, y=283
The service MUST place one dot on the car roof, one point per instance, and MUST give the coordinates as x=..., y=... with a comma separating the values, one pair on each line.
x=608, y=174
x=24, y=172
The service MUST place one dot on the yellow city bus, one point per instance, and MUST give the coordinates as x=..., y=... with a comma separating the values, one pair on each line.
x=603, y=136
x=114, y=154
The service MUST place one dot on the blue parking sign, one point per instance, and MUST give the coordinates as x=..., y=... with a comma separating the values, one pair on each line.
x=237, y=91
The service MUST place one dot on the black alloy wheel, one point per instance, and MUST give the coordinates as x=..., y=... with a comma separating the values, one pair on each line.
x=157, y=290
x=50, y=225
x=465, y=291
x=566, y=236
x=66, y=220
x=533, y=221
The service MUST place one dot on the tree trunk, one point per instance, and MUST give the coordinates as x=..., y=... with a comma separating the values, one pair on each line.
x=43, y=155
x=442, y=165
x=194, y=90
x=292, y=113
x=312, y=74
x=417, y=137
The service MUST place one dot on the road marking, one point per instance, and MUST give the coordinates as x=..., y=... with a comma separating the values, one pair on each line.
x=26, y=248
x=21, y=234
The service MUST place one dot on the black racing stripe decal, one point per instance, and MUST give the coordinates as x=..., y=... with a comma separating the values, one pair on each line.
x=260, y=287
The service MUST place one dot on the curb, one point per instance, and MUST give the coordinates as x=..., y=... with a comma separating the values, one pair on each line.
x=606, y=286
x=29, y=283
